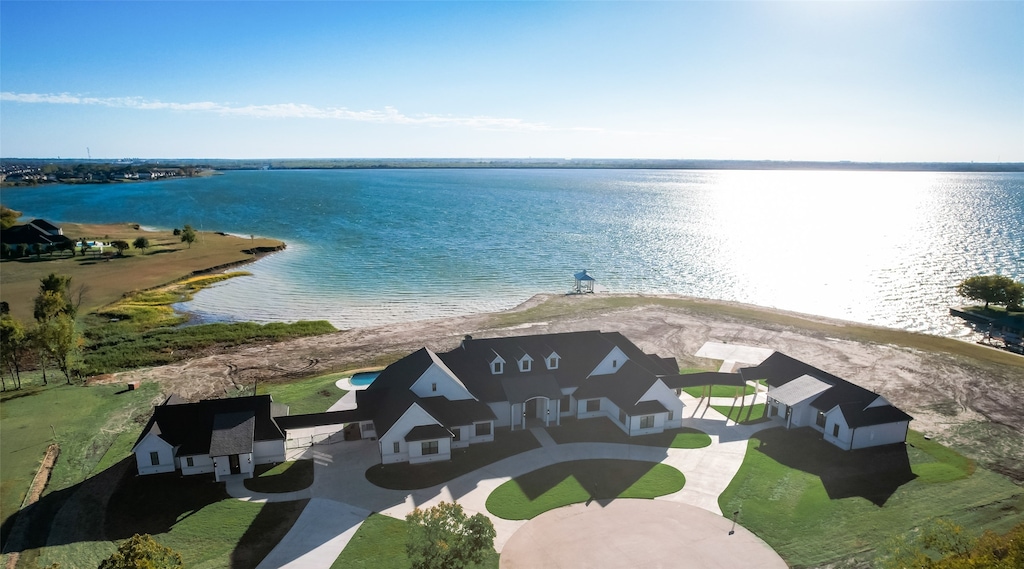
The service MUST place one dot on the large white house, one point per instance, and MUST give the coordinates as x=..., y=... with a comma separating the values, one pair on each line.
x=219, y=436
x=847, y=415
x=425, y=404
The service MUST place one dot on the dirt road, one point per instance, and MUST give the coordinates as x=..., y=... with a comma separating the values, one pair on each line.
x=959, y=393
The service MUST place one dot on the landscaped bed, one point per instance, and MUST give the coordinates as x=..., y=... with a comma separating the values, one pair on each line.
x=557, y=485
x=379, y=543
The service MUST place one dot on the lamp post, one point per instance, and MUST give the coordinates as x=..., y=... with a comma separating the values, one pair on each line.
x=734, y=516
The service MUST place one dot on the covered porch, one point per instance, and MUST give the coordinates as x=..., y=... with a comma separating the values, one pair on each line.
x=534, y=401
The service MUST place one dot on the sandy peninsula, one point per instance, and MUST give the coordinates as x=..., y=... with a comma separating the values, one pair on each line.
x=964, y=394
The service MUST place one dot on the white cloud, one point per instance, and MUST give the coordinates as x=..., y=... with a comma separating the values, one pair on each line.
x=388, y=115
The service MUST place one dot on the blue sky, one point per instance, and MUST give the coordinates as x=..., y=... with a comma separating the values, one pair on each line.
x=865, y=81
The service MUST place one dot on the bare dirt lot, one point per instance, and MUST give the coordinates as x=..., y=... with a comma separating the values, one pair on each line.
x=963, y=394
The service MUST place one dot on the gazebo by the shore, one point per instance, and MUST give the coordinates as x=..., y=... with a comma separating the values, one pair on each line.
x=584, y=283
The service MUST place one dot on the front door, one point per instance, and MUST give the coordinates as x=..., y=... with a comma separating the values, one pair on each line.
x=531, y=409
x=236, y=468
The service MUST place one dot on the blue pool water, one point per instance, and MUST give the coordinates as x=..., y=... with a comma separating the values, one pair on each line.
x=364, y=377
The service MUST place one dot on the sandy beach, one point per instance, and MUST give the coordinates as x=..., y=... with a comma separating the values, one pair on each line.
x=963, y=394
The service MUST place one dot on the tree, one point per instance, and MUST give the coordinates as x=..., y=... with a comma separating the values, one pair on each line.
x=943, y=544
x=8, y=217
x=142, y=552
x=443, y=537
x=121, y=247
x=141, y=243
x=14, y=343
x=54, y=297
x=188, y=235
x=61, y=342
x=995, y=289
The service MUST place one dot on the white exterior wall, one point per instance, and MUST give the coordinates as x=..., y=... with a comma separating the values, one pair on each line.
x=367, y=430
x=201, y=464
x=414, y=416
x=803, y=415
x=153, y=443
x=605, y=409
x=611, y=363
x=634, y=425
x=876, y=435
x=662, y=394
x=309, y=436
x=462, y=433
x=223, y=466
x=470, y=431
x=502, y=413
x=266, y=452
x=416, y=456
x=834, y=417
x=447, y=386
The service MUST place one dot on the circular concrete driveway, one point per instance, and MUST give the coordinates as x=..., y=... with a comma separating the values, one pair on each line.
x=635, y=533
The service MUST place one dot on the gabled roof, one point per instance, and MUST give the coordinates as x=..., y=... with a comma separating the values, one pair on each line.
x=44, y=225
x=190, y=426
x=780, y=369
x=800, y=389
x=428, y=432
x=859, y=417
x=457, y=412
x=624, y=388
x=698, y=379
x=232, y=433
x=579, y=354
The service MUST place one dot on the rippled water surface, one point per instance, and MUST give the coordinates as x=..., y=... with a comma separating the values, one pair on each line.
x=370, y=247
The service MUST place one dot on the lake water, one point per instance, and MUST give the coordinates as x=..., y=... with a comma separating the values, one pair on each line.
x=371, y=247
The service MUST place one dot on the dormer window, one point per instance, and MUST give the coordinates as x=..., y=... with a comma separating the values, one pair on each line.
x=497, y=367
x=552, y=361
x=525, y=363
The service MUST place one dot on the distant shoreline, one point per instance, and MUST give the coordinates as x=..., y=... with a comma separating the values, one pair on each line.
x=532, y=163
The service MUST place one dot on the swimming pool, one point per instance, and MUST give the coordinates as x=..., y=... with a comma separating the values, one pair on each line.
x=364, y=377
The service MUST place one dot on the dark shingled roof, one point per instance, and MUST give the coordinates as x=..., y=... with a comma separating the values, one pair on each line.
x=458, y=412
x=519, y=389
x=853, y=400
x=624, y=388
x=190, y=426
x=232, y=433
x=703, y=378
x=290, y=422
x=428, y=432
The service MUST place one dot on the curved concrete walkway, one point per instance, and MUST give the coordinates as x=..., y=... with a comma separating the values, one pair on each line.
x=340, y=485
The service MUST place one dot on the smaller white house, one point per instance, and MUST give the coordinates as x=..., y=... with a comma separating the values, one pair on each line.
x=847, y=415
x=219, y=436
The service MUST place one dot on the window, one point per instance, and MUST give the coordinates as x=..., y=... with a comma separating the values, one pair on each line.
x=553, y=362
x=429, y=447
x=593, y=405
x=456, y=434
x=188, y=462
x=622, y=416
x=615, y=363
x=647, y=422
x=525, y=364
x=483, y=429
x=433, y=387
x=820, y=421
x=497, y=367
x=154, y=458
x=397, y=448
x=670, y=416
x=835, y=430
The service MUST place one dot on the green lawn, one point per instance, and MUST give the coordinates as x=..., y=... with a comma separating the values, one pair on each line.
x=798, y=492
x=718, y=391
x=405, y=476
x=380, y=544
x=690, y=438
x=311, y=395
x=745, y=414
x=88, y=422
x=284, y=477
x=565, y=483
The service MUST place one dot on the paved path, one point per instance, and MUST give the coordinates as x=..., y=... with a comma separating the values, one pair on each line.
x=340, y=484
